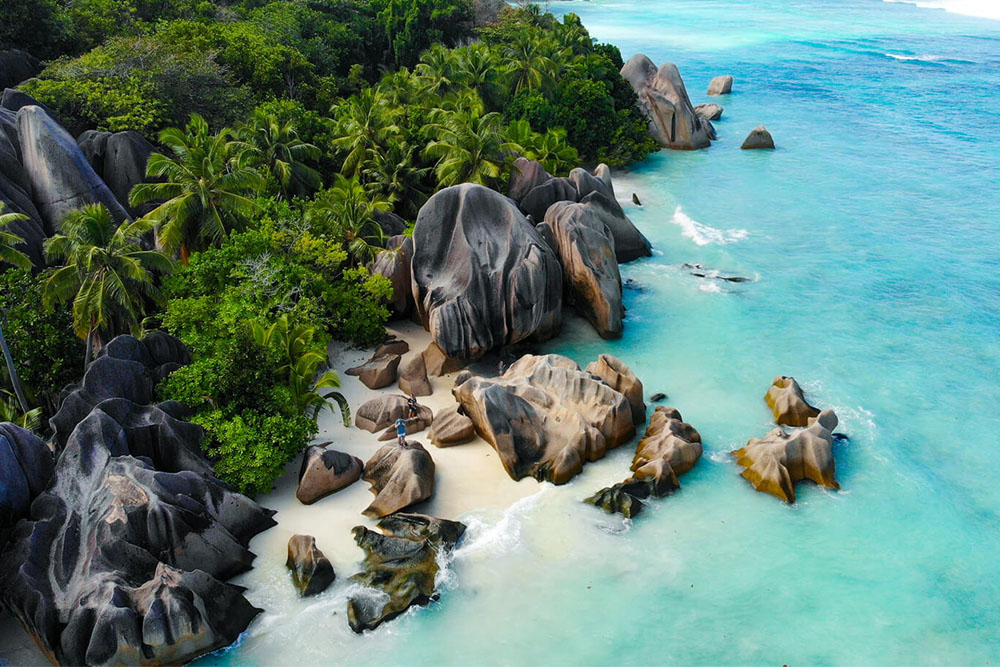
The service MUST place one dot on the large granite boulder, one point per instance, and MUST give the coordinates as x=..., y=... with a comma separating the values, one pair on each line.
x=546, y=417
x=122, y=562
x=394, y=264
x=540, y=198
x=617, y=375
x=664, y=99
x=603, y=172
x=721, y=85
x=759, y=138
x=391, y=224
x=400, y=475
x=382, y=412
x=586, y=249
x=413, y=380
x=586, y=182
x=437, y=363
x=325, y=471
x=61, y=178
x=17, y=66
x=630, y=244
x=709, y=112
x=669, y=448
x=94, y=146
x=377, y=372
x=773, y=464
x=312, y=572
x=525, y=175
x=482, y=277
x=451, y=427
x=25, y=468
x=401, y=563
x=788, y=402
x=125, y=166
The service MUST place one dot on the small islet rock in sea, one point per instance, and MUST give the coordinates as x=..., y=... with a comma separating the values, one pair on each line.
x=657, y=397
x=721, y=85
x=635, y=199
x=759, y=138
x=312, y=572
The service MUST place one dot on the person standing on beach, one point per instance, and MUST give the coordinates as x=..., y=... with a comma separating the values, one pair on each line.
x=401, y=431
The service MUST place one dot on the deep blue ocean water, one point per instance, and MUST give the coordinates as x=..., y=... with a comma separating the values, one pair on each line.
x=871, y=238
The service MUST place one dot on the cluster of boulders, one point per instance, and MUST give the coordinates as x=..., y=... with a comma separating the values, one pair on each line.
x=45, y=173
x=673, y=121
x=122, y=558
x=775, y=463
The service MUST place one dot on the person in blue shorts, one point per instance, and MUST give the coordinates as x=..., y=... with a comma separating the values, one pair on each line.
x=401, y=431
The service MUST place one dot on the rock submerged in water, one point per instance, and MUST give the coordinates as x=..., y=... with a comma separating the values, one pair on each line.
x=721, y=85
x=775, y=463
x=325, y=471
x=788, y=402
x=546, y=417
x=709, y=112
x=400, y=475
x=669, y=448
x=26, y=464
x=312, y=572
x=586, y=250
x=635, y=199
x=664, y=100
x=401, y=563
x=759, y=138
x=482, y=276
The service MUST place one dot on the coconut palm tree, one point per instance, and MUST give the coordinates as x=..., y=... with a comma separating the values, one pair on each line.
x=272, y=145
x=469, y=148
x=477, y=68
x=530, y=67
x=205, y=189
x=436, y=70
x=346, y=212
x=365, y=124
x=394, y=176
x=8, y=253
x=16, y=414
x=106, y=273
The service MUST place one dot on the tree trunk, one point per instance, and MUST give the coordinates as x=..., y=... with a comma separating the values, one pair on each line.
x=89, y=354
x=185, y=255
x=14, y=380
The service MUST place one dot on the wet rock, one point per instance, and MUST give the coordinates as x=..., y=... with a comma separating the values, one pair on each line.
x=656, y=398
x=721, y=85
x=540, y=198
x=759, y=138
x=413, y=379
x=402, y=563
x=525, y=175
x=400, y=475
x=586, y=249
x=382, y=412
x=312, y=572
x=709, y=111
x=17, y=66
x=617, y=375
x=775, y=463
x=378, y=372
x=451, y=427
x=325, y=471
x=664, y=99
x=395, y=264
x=788, y=402
x=546, y=417
x=61, y=178
x=630, y=244
x=26, y=464
x=669, y=448
x=482, y=277
x=635, y=199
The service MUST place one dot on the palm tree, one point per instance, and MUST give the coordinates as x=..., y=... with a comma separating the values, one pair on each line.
x=205, y=188
x=107, y=274
x=550, y=149
x=301, y=361
x=272, y=145
x=530, y=67
x=469, y=148
x=8, y=253
x=392, y=175
x=365, y=124
x=478, y=69
x=346, y=212
x=19, y=416
x=436, y=70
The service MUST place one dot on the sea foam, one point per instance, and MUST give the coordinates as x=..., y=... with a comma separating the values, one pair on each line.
x=703, y=234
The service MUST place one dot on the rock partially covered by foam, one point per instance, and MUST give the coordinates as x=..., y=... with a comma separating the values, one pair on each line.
x=121, y=562
x=482, y=276
x=25, y=468
x=546, y=417
x=312, y=572
x=788, y=402
x=669, y=448
x=401, y=563
x=664, y=99
x=586, y=249
x=400, y=475
x=775, y=463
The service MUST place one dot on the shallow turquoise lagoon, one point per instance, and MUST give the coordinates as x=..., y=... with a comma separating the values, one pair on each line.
x=871, y=236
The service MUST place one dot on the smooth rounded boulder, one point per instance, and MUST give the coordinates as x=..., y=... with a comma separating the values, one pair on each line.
x=394, y=264
x=721, y=85
x=451, y=427
x=664, y=100
x=630, y=244
x=17, y=66
x=525, y=175
x=413, y=380
x=378, y=372
x=325, y=471
x=482, y=276
x=540, y=198
x=788, y=402
x=26, y=464
x=617, y=375
x=400, y=475
x=709, y=111
x=758, y=139
x=312, y=572
x=125, y=161
x=382, y=411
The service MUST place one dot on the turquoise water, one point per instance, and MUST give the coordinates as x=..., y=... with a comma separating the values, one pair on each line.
x=871, y=238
